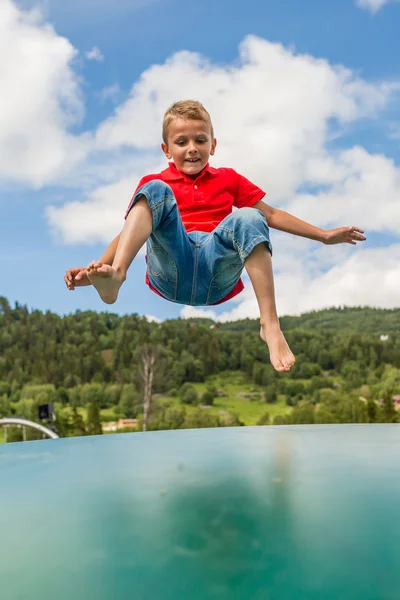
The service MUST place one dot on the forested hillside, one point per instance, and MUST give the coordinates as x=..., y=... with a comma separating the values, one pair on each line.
x=91, y=366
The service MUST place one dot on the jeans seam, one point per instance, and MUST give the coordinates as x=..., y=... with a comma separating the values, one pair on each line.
x=175, y=268
x=233, y=238
x=173, y=299
x=211, y=282
x=196, y=262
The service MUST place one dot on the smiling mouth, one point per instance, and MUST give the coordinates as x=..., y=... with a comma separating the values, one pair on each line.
x=192, y=160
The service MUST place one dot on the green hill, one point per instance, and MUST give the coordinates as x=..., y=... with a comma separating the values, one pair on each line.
x=91, y=365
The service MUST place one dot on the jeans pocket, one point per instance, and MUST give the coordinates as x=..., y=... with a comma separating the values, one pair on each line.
x=224, y=281
x=162, y=272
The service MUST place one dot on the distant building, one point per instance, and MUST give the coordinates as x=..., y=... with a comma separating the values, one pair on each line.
x=121, y=424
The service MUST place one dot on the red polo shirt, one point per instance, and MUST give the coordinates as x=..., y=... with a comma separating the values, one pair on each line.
x=205, y=200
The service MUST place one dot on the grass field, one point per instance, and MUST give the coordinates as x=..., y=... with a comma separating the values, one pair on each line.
x=237, y=394
x=236, y=399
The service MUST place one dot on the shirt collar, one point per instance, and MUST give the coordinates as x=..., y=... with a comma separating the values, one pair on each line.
x=173, y=174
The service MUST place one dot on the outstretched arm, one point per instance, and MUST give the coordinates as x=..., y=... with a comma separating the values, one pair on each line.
x=279, y=219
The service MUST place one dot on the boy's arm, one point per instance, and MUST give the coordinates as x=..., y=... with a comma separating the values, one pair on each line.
x=78, y=276
x=109, y=254
x=279, y=219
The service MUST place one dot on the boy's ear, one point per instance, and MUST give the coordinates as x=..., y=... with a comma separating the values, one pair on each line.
x=167, y=153
x=213, y=146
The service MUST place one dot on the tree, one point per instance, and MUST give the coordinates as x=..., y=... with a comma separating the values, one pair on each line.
x=282, y=420
x=264, y=420
x=188, y=394
x=63, y=421
x=207, y=398
x=130, y=402
x=92, y=393
x=77, y=426
x=372, y=411
x=93, y=424
x=324, y=415
x=303, y=414
x=209, y=395
x=112, y=395
x=174, y=417
x=201, y=419
x=270, y=395
x=5, y=406
x=148, y=356
x=388, y=410
x=229, y=419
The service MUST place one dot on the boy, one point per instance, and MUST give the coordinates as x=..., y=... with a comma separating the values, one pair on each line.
x=196, y=246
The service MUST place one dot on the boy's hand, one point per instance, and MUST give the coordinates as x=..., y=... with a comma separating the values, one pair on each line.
x=344, y=235
x=76, y=278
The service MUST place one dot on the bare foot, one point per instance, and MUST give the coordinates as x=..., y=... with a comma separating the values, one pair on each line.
x=106, y=280
x=280, y=355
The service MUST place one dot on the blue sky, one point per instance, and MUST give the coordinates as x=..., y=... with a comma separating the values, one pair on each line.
x=81, y=151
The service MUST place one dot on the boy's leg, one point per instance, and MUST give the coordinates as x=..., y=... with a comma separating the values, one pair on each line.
x=240, y=239
x=259, y=268
x=152, y=216
x=108, y=279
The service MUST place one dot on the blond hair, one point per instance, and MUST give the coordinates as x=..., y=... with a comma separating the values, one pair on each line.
x=185, y=109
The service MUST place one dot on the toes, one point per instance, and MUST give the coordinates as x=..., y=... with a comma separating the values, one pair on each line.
x=279, y=367
x=94, y=264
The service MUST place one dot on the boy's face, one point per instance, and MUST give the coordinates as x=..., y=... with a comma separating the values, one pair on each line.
x=189, y=145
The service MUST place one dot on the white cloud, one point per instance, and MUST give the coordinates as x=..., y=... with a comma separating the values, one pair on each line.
x=98, y=219
x=366, y=277
x=373, y=5
x=360, y=183
x=94, y=54
x=189, y=312
x=274, y=113
x=40, y=99
x=271, y=112
x=111, y=92
x=152, y=319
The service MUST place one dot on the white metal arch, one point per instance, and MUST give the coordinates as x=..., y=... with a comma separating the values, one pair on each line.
x=26, y=423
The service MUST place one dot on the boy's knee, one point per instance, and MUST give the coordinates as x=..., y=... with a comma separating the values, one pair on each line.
x=156, y=187
x=251, y=216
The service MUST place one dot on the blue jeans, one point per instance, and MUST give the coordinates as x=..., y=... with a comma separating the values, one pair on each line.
x=197, y=268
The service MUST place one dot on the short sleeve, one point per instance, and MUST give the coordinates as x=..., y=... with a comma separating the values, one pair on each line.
x=247, y=193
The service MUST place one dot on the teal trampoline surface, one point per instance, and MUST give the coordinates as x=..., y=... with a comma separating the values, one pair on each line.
x=297, y=513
